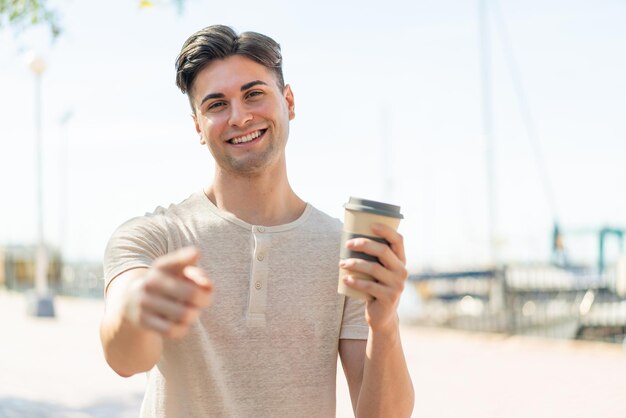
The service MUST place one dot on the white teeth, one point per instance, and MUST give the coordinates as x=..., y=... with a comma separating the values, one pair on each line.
x=246, y=138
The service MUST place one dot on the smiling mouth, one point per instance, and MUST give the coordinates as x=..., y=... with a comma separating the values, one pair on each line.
x=247, y=138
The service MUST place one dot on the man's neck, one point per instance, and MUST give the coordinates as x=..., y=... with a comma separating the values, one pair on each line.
x=265, y=199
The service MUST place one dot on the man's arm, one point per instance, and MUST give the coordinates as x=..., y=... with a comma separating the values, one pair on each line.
x=128, y=348
x=376, y=370
x=145, y=305
x=352, y=354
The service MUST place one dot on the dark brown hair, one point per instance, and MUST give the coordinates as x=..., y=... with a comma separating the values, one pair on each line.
x=218, y=42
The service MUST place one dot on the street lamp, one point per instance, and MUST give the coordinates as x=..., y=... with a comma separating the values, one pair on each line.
x=40, y=302
x=63, y=164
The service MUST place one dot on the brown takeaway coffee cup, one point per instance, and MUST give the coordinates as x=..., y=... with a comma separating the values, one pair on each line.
x=360, y=214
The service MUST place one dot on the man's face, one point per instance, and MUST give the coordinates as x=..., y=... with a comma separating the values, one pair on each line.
x=242, y=114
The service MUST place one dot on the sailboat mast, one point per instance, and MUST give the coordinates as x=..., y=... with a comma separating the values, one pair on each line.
x=387, y=171
x=487, y=128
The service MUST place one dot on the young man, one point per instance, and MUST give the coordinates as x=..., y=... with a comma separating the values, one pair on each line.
x=228, y=299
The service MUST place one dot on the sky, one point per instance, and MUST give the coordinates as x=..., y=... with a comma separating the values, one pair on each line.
x=388, y=107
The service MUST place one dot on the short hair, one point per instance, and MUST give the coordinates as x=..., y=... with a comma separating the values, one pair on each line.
x=219, y=42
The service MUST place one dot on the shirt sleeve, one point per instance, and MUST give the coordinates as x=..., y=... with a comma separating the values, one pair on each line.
x=353, y=324
x=136, y=243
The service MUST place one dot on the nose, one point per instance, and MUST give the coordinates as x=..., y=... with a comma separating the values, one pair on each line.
x=239, y=114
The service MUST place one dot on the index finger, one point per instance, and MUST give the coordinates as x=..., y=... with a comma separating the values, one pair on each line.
x=395, y=239
x=174, y=262
x=198, y=276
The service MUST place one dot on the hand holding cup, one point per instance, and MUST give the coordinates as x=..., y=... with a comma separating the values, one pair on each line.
x=361, y=216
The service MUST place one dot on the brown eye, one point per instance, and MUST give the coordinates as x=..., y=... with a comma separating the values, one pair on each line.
x=254, y=94
x=215, y=106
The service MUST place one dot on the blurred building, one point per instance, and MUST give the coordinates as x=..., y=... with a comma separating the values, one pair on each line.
x=72, y=278
x=17, y=267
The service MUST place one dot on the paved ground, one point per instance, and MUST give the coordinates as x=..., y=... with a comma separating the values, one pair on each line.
x=54, y=368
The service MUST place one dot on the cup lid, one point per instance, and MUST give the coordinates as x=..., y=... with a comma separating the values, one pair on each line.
x=374, y=207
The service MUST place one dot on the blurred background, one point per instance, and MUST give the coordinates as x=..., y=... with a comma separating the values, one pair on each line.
x=497, y=126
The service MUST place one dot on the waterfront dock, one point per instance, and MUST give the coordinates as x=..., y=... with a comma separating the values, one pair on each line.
x=54, y=368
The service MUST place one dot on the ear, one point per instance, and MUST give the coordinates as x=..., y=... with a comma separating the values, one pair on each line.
x=198, y=130
x=291, y=106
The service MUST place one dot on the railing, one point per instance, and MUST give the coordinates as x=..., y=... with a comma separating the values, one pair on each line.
x=531, y=300
x=82, y=280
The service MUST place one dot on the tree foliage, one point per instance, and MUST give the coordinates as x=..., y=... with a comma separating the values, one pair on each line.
x=25, y=13
x=150, y=3
x=22, y=14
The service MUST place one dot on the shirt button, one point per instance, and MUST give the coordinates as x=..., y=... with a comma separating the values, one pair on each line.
x=260, y=257
x=258, y=285
x=260, y=228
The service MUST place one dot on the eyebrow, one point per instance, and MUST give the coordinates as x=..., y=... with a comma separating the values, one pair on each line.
x=252, y=84
x=242, y=88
